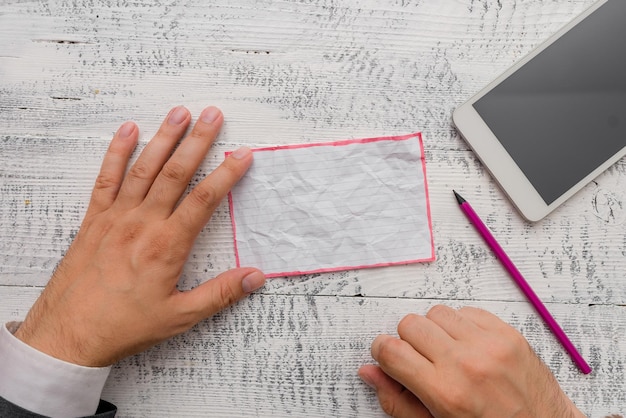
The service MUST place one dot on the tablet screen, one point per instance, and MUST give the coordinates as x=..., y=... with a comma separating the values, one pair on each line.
x=563, y=114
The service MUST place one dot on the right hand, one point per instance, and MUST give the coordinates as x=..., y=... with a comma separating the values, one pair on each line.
x=464, y=363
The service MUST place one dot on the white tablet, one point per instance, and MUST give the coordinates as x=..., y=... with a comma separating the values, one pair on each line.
x=556, y=119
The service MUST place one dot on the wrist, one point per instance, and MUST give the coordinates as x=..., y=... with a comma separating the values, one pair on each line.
x=53, y=342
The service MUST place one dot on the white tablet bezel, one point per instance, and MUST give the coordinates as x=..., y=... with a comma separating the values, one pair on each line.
x=498, y=161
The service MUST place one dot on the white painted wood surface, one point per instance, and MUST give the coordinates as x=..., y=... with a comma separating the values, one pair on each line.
x=290, y=72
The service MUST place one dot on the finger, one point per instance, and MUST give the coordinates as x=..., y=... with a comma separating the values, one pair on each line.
x=113, y=167
x=394, y=398
x=403, y=363
x=196, y=209
x=176, y=173
x=220, y=292
x=452, y=322
x=142, y=173
x=483, y=319
x=425, y=336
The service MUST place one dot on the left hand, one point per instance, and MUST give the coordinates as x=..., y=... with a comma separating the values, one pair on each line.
x=114, y=293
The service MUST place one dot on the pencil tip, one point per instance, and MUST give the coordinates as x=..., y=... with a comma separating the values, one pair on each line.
x=459, y=198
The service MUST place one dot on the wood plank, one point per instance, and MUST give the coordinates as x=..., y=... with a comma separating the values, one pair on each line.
x=294, y=72
x=297, y=355
x=334, y=69
x=576, y=255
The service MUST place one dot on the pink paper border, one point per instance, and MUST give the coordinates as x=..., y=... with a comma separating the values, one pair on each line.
x=341, y=143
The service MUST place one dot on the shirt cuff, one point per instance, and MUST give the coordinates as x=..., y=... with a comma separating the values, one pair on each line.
x=44, y=384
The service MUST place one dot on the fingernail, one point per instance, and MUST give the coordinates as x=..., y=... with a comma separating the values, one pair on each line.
x=253, y=281
x=241, y=153
x=177, y=115
x=126, y=130
x=210, y=114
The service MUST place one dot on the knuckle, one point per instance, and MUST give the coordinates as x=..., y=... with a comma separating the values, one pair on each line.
x=232, y=168
x=227, y=295
x=198, y=133
x=472, y=309
x=507, y=350
x=175, y=172
x=204, y=195
x=440, y=311
x=202, y=132
x=106, y=181
x=388, y=351
x=407, y=324
x=478, y=314
x=139, y=170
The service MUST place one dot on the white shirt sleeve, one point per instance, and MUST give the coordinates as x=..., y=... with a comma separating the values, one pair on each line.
x=46, y=385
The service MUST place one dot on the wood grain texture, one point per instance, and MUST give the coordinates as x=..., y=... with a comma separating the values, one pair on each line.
x=291, y=72
x=297, y=355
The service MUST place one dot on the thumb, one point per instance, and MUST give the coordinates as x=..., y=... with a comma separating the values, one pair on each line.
x=224, y=290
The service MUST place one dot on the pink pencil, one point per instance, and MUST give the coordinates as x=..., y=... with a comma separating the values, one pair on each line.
x=523, y=284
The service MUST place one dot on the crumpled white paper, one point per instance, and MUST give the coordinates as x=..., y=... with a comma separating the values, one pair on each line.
x=334, y=206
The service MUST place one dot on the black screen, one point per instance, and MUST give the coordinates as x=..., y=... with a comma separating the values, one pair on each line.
x=564, y=113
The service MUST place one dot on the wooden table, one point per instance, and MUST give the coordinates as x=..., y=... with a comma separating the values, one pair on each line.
x=296, y=71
